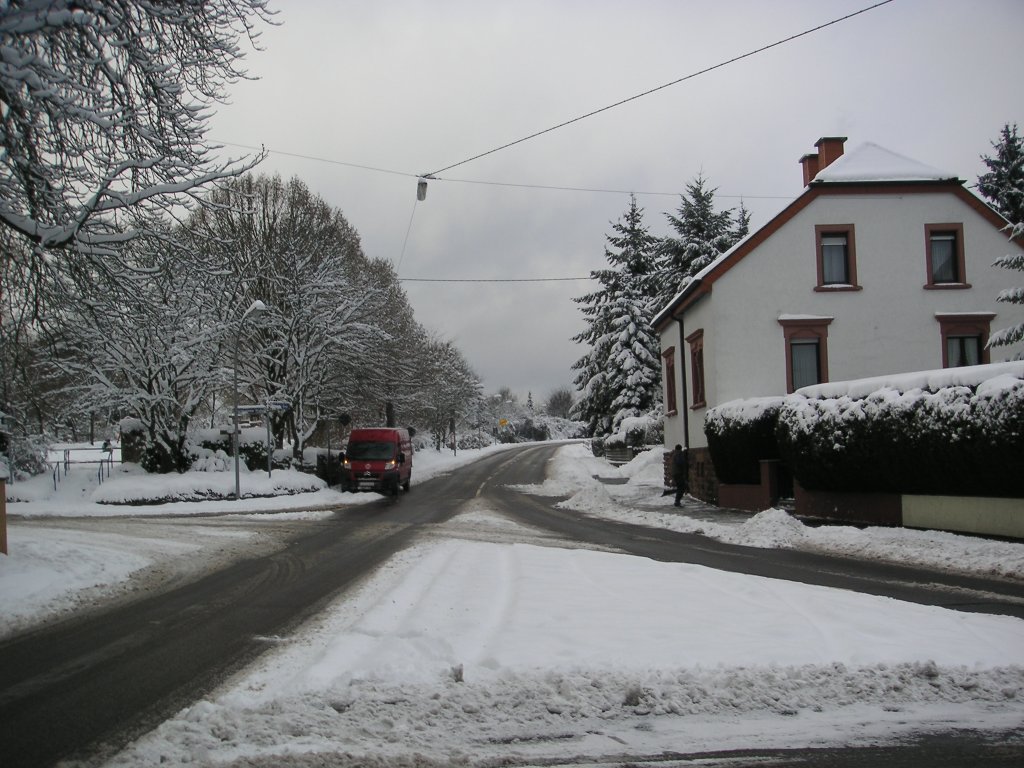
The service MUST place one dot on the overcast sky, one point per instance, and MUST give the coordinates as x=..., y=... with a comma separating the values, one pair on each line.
x=412, y=87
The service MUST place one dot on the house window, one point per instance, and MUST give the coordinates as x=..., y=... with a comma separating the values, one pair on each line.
x=696, y=342
x=805, y=355
x=837, y=257
x=964, y=338
x=669, y=356
x=806, y=350
x=945, y=251
x=963, y=350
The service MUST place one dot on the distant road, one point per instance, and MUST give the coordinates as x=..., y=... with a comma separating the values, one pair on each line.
x=85, y=687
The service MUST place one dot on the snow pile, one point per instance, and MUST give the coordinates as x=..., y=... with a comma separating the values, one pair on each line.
x=572, y=473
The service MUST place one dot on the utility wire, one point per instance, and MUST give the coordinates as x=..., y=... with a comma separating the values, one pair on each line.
x=317, y=159
x=408, y=229
x=604, y=191
x=490, y=280
x=550, y=187
x=704, y=71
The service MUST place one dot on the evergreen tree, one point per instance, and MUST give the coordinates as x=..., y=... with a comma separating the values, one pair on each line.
x=634, y=365
x=1003, y=185
x=630, y=255
x=1015, y=333
x=701, y=235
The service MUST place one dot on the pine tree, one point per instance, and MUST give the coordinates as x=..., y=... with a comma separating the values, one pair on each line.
x=1003, y=185
x=1015, y=295
x=634, y=365
x=630, y=255
x=701, y=235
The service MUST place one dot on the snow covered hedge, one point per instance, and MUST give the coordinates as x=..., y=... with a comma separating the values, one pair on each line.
x=957, y=432
x=958, y=440
x=740, y=434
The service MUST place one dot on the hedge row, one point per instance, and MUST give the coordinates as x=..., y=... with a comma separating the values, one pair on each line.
x=740, y=434
x=957, y=440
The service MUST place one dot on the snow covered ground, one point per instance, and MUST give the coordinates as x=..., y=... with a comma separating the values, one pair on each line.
x=487, y=642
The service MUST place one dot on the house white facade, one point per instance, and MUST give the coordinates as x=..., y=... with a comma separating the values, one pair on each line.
x=883, y=265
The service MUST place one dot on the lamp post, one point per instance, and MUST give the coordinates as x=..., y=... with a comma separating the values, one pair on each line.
x=256, y=306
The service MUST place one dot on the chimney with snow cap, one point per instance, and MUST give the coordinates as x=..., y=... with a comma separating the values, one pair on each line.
x=830, y=149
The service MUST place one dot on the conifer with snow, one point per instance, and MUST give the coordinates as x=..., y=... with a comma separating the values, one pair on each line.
x=612, y=375
x=701, y=235
x=1003, y=187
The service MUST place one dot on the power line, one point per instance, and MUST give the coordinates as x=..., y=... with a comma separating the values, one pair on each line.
x=317, y=159
x=704, y=71
x=515, y=185
x=490, y=279
x=603, y=191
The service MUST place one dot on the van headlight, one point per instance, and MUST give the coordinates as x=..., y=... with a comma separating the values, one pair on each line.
x=390, y=464
x=346, y=464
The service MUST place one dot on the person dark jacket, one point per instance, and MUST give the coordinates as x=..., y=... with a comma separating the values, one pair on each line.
x=680, y=472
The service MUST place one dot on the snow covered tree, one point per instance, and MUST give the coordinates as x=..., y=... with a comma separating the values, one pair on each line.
x=290, y=249
x=104, y=113
x=1003, y=187
x=701, y=234
x=148, y=344
x=630, y=254
x=560, y=402
x=1003, y=184
x=634, y=364
x=452, y=390
x=1014, y=334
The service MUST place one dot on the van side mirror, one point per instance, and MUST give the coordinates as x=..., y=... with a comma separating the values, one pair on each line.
x=401, y=458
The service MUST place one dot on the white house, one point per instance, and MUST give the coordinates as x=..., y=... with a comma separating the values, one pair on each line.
x=882, y=265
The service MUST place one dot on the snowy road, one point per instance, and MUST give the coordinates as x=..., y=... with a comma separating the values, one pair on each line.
x=487, y=639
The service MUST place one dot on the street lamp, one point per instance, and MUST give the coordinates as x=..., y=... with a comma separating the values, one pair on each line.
x=256, y=306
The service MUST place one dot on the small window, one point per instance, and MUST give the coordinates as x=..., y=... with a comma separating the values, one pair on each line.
x=945, y=244
x=963, y=350
x=835, y=264
x=669, y=356
x=964, y=338
x=806, y=356
x=696, y=342
x=806, y=350
x=836, y=257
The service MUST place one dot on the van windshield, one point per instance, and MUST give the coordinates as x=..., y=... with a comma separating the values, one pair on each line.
x=369, y=451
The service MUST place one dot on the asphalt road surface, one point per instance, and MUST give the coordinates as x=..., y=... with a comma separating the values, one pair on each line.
x=81, y=689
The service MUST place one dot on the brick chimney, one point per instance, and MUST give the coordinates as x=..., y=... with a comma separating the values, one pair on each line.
x=830, y=149
x=810, y=164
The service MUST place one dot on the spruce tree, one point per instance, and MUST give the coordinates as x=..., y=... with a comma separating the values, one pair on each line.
x=634, y=363
x=1003, y=185
x=630, y=256
x=701, y=234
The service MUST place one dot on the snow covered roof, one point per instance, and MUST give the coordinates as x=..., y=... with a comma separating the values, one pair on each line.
x=870, y=162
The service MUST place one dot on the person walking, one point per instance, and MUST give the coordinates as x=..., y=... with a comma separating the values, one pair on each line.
x=680, y=473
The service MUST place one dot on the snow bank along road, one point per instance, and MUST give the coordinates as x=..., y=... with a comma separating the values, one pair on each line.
x=84, y=687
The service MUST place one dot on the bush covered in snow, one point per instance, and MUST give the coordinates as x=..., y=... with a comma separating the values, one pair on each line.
x=740, y=434
x=960, y=440
x=950, y=432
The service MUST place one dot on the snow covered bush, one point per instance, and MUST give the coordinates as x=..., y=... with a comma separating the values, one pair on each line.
x=958, y=440
x=638, y=431
x=740, y=434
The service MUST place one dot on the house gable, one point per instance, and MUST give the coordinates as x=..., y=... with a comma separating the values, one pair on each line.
x=869, y=171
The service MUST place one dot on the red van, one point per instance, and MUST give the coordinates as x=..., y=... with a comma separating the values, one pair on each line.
x=377, y=460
